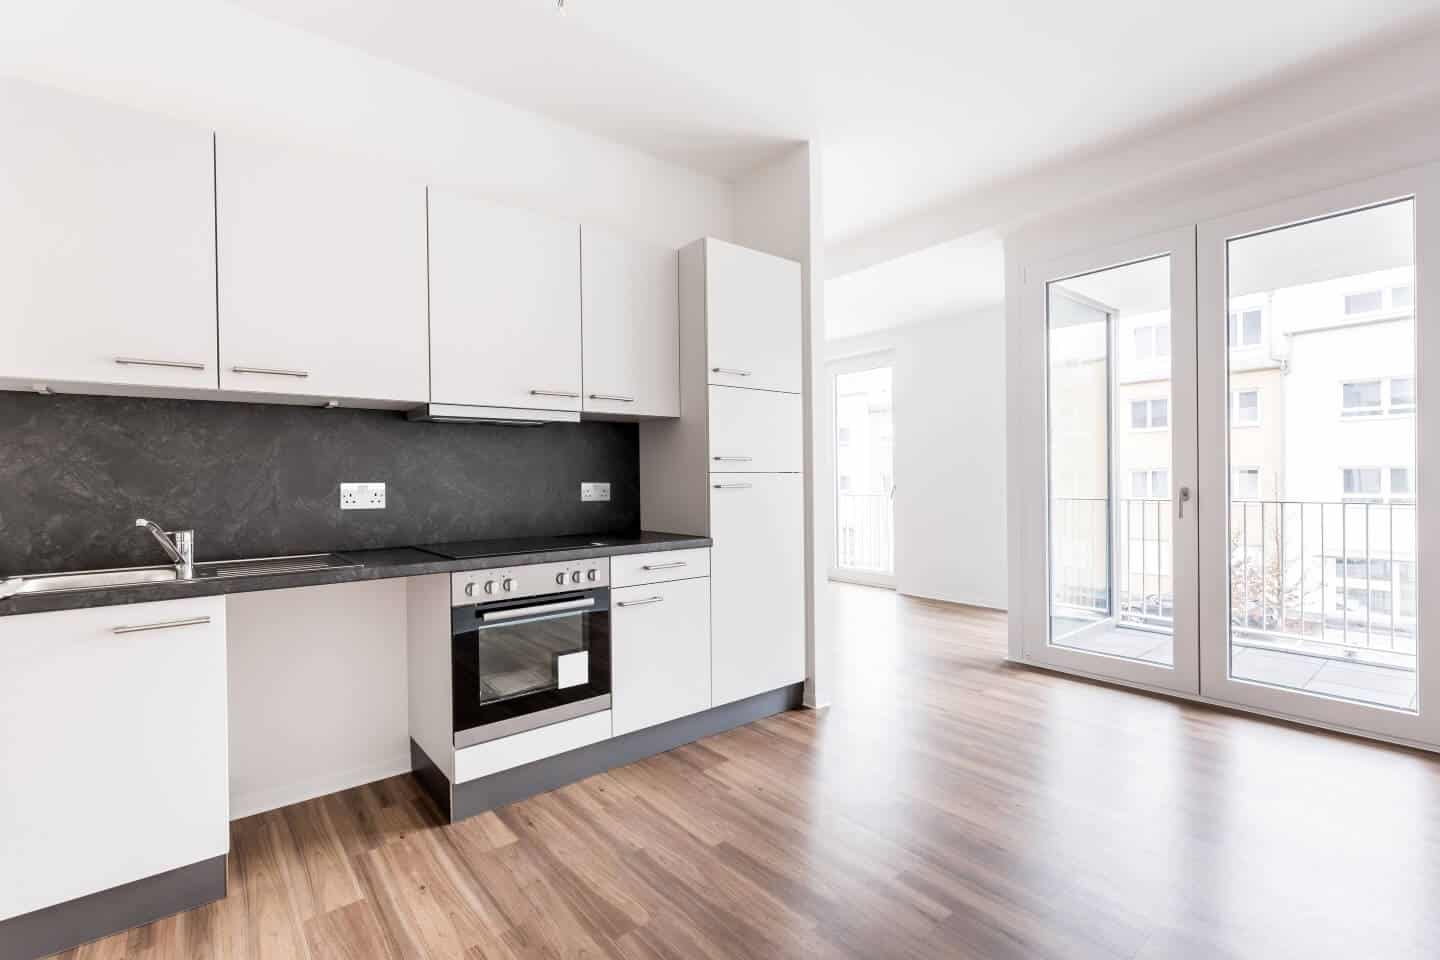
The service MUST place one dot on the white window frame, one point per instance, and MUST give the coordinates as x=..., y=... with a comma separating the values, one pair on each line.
x=1235, y=420
x=1235, y=473
x=1153, y=490
x=1235, y=329
x=1386, y=408
x=1150, y=425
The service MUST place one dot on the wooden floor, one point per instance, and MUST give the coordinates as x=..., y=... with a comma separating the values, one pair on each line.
x=948, y=805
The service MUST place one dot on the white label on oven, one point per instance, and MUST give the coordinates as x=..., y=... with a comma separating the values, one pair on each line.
x=572, y=669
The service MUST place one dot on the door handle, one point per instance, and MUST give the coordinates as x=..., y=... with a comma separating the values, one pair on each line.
x=175, y=364
x=617, y=397
x=162, y=625
x=1183, y=499
x=731, y=371
x=733, y=459
x=563, y=394
x=672, y=565
x=515, y=613
x=639, y=603
x=271, y=371
x=733, y=486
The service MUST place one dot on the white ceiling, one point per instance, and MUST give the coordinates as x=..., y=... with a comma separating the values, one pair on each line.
x=913, y=100
x=937, y=283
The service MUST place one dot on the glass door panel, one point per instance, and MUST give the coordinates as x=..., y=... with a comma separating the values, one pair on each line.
x=1119, y=342
x=1311, y=378
x=864, y=471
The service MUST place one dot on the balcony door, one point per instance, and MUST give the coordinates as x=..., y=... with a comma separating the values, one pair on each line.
x=1319, y=530
x=864, y=458
x=1120, y=458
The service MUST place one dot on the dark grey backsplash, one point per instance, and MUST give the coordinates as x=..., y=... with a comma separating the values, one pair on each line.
x=261, y=480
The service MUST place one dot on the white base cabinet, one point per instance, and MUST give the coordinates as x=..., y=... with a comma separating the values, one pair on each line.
x=757, y=569
x=660, y=652
x=113, y=763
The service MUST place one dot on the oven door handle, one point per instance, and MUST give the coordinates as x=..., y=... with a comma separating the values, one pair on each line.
x=516, y=613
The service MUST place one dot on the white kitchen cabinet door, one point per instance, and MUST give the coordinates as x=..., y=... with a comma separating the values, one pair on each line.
x=757, y=583
x=504, y=306
x=660, y=652
x=631, y=320
x=755, y=431
x=752, y=316
x=107, y=245
x=112, y=746
x=322, y=276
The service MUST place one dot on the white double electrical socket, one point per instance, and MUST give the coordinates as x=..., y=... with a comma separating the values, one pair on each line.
x=593, y=492
x=362, y=496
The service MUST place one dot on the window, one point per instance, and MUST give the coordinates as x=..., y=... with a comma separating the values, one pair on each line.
x=1402, y=394
x=1367, y=301
x=1361, y=484
x=1152, y=340
x=1369, y=398
x=1358, y=569
x=1245, y=328
x=1246, y=485
x=1363, y=598
x=1245, y=408
x=1150, y=484
x=1402, y=297
x=1150, y=414
x=1400, y=481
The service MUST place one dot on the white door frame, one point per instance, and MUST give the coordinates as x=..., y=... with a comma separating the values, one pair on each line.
x=854, y=363
x=1423, y=185
x=1183, y=676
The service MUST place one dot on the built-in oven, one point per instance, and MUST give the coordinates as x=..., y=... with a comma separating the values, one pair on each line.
x=530, y=646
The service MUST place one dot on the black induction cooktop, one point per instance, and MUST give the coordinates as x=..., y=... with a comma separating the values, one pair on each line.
x=472, y=549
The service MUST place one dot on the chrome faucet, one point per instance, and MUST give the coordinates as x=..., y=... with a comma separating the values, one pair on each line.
x=179, y=544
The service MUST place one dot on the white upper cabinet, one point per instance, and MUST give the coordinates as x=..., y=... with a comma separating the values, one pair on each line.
x=631, y=310
x=756, y=431
x=107, y=246
x=752, y=303
x=321, y=276
x=504, y=308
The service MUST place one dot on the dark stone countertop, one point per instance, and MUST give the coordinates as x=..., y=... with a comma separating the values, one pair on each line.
x=369, y=565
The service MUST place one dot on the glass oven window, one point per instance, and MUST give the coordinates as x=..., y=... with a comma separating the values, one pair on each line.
x=518, y=659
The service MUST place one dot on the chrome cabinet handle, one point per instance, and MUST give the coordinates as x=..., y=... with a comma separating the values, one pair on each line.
x=566, y=394
x=142, y=362
x=639, y=603
x=617, y=397
x=162, y=625
x=664, y=566
x=733, y=486
x=543, y=608
x=271, y=371
x=733, y=459
x=731, y=371
x=1183, y=499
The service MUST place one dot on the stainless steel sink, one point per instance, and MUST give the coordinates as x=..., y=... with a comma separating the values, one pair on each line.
x=138, y=576
x=87, y=580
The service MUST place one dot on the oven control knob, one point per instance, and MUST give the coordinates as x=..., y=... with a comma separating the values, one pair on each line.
x=590, y=575
x=489, y=586
x=560, y=578
x=508, y=585
x=470, y=589
x=575, y=577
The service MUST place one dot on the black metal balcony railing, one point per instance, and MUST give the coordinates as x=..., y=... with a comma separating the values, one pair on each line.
x=1336, y=573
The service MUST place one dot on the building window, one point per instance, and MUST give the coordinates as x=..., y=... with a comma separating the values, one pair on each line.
x=1361, y=484
x=1152, y=340
x=1245, y=328
x=1149, y=484
x=1366, y=301
x=1246, y=484
x=1363, y=598
x=1244, y=408
x=1370, y=398
x=1151, y=414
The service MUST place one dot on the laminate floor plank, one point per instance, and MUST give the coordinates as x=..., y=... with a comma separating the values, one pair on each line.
x=948, y=805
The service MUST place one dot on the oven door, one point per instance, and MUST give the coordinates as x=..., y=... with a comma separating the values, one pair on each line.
x=522, y=664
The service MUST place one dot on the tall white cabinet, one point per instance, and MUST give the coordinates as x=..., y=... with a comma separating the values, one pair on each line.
x=732, y=466
x=107, y=247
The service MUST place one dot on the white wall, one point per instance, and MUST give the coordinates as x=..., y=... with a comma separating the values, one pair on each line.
x=317, y=691
x=949, y=390
x=221, y=67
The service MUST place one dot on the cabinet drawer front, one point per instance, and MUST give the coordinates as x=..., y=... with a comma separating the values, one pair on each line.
x=752, y=318
x=660, y=566
x=113, y=725
x=755, y=431
x=660, y=652
x=757, y=582
x=484, y=759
